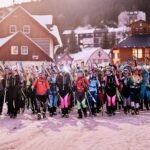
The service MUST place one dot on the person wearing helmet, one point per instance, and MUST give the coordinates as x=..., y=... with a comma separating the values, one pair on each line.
x=110, y=83
x=125, y=92
x=41, y=86
x=64, y=84
x=135, y=88
x=81, y=84
x=144, y=88
x=93, y=92
x=53, y=94
x=14, y=92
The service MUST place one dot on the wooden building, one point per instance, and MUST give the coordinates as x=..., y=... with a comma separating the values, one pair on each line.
x=26, y=37
x=136, y=46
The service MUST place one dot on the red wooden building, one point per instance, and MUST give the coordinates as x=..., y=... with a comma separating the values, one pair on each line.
x=26, y=37
x=136, y=46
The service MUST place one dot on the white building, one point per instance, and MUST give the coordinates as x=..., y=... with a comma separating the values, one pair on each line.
x=125, y=18
x=90, y=56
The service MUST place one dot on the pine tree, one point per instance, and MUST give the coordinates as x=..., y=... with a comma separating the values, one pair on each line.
x=73, y=47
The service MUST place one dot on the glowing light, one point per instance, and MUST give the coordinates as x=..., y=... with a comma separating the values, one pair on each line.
x=66, y=69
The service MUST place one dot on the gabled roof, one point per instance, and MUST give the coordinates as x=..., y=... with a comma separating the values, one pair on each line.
x=140, y=41
x=62, y=57
x=86, y=54
x=37, y=19
x=5, y=40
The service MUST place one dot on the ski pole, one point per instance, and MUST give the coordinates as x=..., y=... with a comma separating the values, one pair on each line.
x=88, y=104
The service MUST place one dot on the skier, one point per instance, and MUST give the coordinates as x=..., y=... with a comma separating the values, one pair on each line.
x=14, y=92
x=135, y=88
x=110, y=82
x=53, y=94
x=41, y=86
x=64, y=86
x=29, y=93
x=125, y=92
x=93, y=93
x=81, y=84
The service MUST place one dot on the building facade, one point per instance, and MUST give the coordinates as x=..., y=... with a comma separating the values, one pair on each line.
x=34, y=34
x=134, y=47
x=92, y=37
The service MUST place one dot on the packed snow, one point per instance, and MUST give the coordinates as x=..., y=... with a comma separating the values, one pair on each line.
x=119, y=132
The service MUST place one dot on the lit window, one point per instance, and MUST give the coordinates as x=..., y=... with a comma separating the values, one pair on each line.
x=116, y=54
x=137, y=53
x=13, y=28
x=24, y=50
x=140, y=53
x=14, y=50
x=26, y=29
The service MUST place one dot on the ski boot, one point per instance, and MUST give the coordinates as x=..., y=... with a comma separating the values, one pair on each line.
x=44, y=115
x=79, y=114
x=39, y=116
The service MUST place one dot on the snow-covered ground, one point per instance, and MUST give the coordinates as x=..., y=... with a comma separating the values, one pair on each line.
x=119, y=132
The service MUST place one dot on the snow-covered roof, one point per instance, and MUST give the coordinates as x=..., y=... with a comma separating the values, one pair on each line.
x=41, y=20
x=80, y=31
x=44, y=19
x=67, y=32
x=6, y=39
x=86, y=53
x=107, y=51
x=55, y=32
x=119, y=29
x=84, y=31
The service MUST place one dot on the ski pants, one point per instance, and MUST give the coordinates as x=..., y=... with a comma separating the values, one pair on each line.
x=135, y=98
x=41, y=101
x=53, y=100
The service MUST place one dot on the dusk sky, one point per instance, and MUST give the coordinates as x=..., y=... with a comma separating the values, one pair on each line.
x=4, y=3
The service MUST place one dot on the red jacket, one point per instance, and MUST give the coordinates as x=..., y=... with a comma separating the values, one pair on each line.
x=81, y=83
x=41, y=86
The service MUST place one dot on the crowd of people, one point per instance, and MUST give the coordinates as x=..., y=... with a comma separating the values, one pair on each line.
x=49, y=90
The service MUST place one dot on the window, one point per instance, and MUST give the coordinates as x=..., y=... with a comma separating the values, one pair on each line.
x=26, y=29
x=147, y=53
x=116, y=54
x=35, y=57
x=137, y=53
x=13, y=28
x=24, y=50
x=14, y=50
